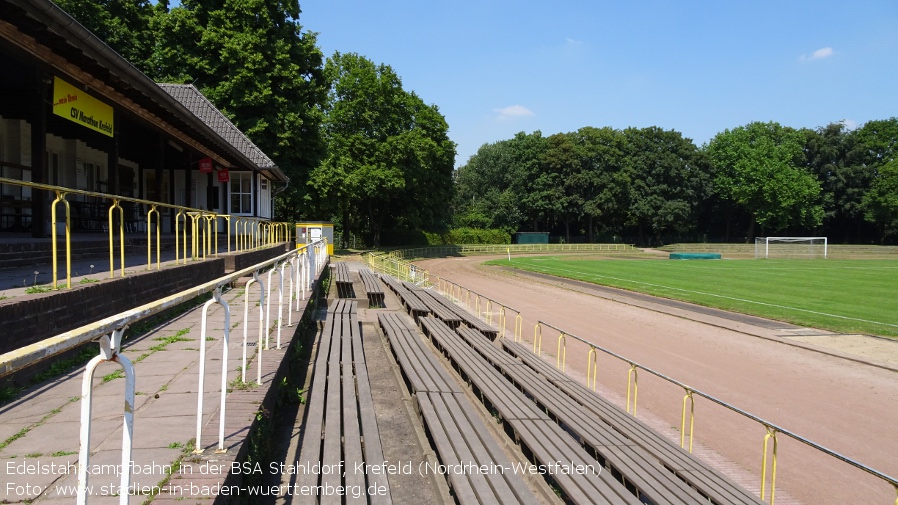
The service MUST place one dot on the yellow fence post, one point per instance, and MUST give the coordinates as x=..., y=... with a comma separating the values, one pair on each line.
x=592, y=368
x=180, y=215
x=215, y=234
x=501, y=321
x=121, y=234
x=228, y=224
x=691, y=400
x=771, y=433
x=518, y=328
x=60, y=197
x=632, y=386
x=561, y=352
x=538, y=339
x=149, y=237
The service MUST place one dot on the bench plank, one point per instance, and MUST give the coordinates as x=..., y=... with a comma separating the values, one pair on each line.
x=545, y=439
x=706, y=480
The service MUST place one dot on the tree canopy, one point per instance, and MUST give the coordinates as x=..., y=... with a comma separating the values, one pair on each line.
x=759, y=167
x=389, y=159
x=362, y=150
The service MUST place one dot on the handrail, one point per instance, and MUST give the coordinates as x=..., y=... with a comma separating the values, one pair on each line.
x=447, y=250
x=109, y=331
x=770, y=426
x=24, y=356
x=255, y=239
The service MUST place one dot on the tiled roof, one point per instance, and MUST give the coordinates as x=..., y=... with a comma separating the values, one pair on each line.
x=202, y=108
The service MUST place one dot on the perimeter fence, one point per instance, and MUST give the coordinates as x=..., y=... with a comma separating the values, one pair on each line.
x=509, y=321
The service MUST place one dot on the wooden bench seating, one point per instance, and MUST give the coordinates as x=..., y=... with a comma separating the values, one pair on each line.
x=462, y=441
x=463, y=315
x=343, y=280
x=340, y=428
x=575, y=471
x=410, y=301
x=437, y=308
x=706, y=480
x=634, y=465
x=373, y=288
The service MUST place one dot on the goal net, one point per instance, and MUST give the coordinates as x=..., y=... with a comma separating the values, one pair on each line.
x=790, y=247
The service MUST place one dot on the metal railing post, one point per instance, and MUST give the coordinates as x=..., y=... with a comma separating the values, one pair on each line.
x=632, y=381
x=280, y=302
x=268, y=306
x=592, y=368
x=110, y=348
x=121, y=234
x=691, y=401
x=561, y=352
x=538, y=339
x=60, y=197
x=180, y=215
x=216, y=298
x=288, y=263
x=149, y=238
x=771, y=433
x=246, y=325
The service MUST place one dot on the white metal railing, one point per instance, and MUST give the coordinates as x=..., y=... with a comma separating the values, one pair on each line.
x=109, y=333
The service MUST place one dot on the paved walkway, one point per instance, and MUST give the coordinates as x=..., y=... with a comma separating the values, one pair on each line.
x=39, y=432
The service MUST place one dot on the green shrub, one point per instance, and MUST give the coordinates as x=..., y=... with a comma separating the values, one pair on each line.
x=468, y=236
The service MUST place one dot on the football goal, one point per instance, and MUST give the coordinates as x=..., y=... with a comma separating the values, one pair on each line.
x=790, y=247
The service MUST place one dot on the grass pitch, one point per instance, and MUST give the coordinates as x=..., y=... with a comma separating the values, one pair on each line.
x=847, y=296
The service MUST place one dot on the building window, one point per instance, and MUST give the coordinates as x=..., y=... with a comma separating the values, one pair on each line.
x=241, y=193
x=264, y=197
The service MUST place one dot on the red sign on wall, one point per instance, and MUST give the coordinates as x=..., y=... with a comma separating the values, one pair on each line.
x=223, y=175
x=206, y=165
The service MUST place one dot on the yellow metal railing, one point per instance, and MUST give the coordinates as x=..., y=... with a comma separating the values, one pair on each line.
x=475, y=249
x=394, y=264
x=257, y=232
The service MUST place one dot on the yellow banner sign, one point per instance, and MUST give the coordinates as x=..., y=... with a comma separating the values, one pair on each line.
x=76, y=105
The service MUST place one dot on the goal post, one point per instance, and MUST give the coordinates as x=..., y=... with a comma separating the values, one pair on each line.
x=790, y=247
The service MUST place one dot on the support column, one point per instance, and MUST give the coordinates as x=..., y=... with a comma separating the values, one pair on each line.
x=39, y=173
x=172, y=198
x=114, y=184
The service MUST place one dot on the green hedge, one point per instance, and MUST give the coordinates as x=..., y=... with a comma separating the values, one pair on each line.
x=468, y=236
x=450, y=237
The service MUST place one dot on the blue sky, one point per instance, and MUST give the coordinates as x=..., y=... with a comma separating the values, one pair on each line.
x=495, y=68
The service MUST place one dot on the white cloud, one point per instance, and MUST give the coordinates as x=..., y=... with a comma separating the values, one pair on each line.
x=513, y=112
x=820, y=54
x=850, y=124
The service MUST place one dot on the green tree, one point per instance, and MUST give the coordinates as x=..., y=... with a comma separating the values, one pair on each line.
x=602, y=179
x=389, y=159
x=880, y=204
x=123, y=25
x=875, y=143
x=559, y=181
x=843, y=180
x=759, y=168
x=667, y=180
x=252, y=59
x=536, y=188
x=488, y=189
